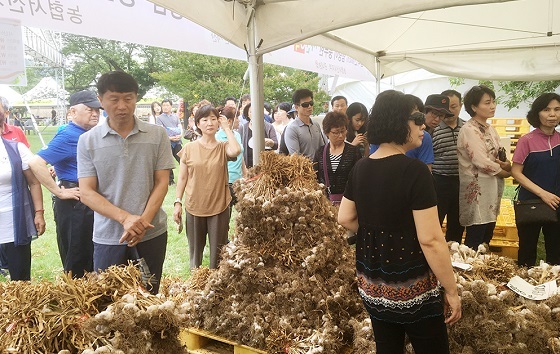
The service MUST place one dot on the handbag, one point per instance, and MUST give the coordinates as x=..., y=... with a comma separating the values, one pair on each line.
x=334, y=198
x=533, y=211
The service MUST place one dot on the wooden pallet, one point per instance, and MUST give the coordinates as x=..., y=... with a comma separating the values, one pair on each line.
x=202, y=342
x=199, y=341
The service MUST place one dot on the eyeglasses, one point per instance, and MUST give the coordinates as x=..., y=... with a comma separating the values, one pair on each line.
x=418, y=117
x=306, y=104
x=341, y=132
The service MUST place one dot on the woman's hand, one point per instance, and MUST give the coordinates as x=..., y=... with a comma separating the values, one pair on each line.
x=452, y=308
x=178, y=213
x=223, y=122
x=505, y=165
x=40, y=223
x=359, y=139
x=550, y=199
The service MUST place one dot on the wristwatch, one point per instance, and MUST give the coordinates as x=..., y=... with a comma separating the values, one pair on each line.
x=178, y=200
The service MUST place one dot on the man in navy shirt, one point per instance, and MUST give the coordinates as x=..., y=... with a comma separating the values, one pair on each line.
x=74, y=220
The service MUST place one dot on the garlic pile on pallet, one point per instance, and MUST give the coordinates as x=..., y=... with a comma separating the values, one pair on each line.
x=286, y=282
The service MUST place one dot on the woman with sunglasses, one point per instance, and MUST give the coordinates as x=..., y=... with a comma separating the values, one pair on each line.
x=481, y=173
x=334, y=161
x=401, y=254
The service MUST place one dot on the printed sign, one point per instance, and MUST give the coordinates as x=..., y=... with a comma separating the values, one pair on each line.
x=12, y=65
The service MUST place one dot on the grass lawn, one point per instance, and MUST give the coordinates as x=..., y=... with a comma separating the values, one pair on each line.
x=46, y=264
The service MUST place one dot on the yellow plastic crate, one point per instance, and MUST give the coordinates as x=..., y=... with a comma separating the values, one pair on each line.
x=504, y=248
x=199, y=341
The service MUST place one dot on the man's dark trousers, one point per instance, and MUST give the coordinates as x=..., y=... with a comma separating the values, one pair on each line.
x=74, y=229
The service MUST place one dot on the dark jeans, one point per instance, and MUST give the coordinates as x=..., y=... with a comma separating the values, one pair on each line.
x=447, y=190
x=74, y=230
x=153, y=252
x=19, y=261
x=477, y=234
x=3, y=257
x=428, y=336
x=528, y=239
x=175, y=151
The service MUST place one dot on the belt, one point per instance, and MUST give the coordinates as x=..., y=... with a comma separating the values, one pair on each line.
x=68, y=184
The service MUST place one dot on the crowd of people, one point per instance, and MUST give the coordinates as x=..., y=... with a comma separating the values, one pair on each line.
x=395, y=173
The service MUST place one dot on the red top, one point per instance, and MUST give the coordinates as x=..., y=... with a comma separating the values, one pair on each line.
x=13, y=133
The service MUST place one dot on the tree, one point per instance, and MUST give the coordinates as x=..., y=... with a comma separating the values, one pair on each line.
x=195, y=77
x=87, y=58
x=515, y=92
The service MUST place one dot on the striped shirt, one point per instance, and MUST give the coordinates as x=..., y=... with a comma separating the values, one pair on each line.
x=445, y=149
x=335, y=161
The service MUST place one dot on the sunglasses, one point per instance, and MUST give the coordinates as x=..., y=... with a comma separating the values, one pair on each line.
x=307, y=104
x=418, y=117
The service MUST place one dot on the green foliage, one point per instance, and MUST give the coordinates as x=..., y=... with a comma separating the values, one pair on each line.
x=514, y=92
x=195, y=77
x=88, y=57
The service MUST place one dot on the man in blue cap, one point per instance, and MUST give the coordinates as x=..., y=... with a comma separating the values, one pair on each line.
x=74, y=220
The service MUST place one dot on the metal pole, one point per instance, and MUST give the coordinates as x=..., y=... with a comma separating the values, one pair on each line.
x=257, y=94
x=377, y=76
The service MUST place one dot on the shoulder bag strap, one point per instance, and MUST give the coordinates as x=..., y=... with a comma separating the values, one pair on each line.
x=325, y=167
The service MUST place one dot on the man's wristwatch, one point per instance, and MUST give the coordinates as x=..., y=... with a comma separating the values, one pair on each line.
x=178, y=200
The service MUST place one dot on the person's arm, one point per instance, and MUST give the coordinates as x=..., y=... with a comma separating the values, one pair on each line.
x=432, y=242
x=272, y=138
x=348, y=215
x=179, y=191
x=155, y=200
x=291, y=139
x=39, y=167
x=233, y=149
x=134, y=225
x=37, y=197
x=550, y=199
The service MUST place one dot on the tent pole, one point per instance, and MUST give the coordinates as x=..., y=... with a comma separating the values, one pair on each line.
x=377, y=76
x=257, y=93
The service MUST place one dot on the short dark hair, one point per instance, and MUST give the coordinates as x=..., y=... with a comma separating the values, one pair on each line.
x=352, y=110
x=416, y=101
x=334, y=120
x=451, y=93
x=538, y=105
x=285, y=106
x=116, y=81
x=336, y=98
x=246, y=97
x=204, y=112
x=268, y=107
x=301, y=93
x=388, y=118
x=167, y=100
x=474, y=95
x=246, y=111
x=230, y=98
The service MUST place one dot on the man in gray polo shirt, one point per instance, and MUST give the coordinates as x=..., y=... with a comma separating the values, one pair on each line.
x=302, y=136
x=123, y=171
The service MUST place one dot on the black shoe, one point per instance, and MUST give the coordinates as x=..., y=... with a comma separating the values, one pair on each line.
x=171, y=183
x=4, y=272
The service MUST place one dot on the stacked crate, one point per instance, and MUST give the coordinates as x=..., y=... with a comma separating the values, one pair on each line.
x=505, y=240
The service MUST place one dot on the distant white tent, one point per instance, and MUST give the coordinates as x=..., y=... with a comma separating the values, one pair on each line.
x=10, y=94
x=47, y=91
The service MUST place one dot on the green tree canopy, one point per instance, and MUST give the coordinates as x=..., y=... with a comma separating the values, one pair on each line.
x=87, y=58
x=195, y=77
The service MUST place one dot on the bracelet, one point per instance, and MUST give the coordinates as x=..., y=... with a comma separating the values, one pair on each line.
x=40, y=211
x=178, y=200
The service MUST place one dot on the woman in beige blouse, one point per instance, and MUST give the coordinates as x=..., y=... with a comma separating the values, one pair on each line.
x=481, y=173
x=203, y=177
